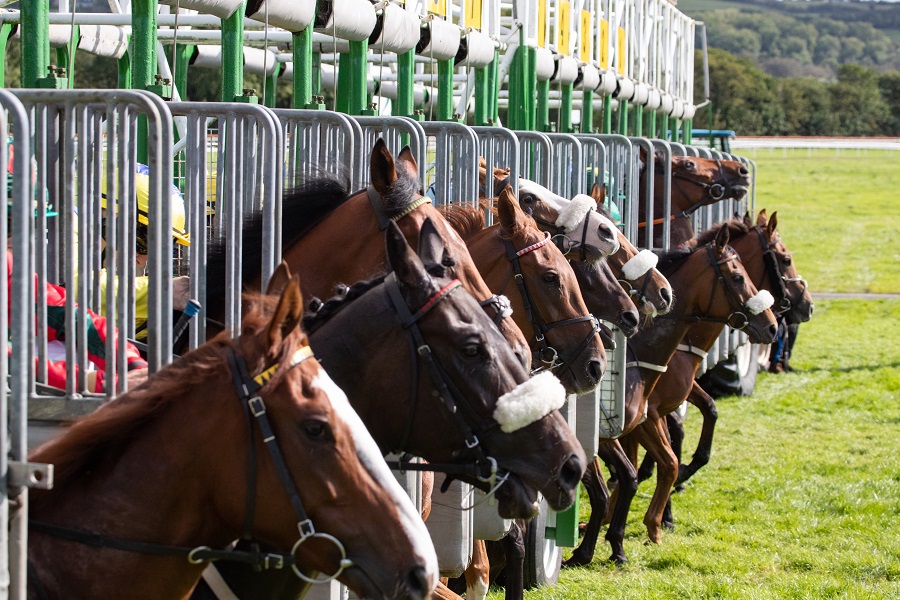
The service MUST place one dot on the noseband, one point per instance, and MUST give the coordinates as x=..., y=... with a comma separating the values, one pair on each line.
x=715, y=191
x=483, y=468
x=547, y=354
x=247, y=388
x=563, y=241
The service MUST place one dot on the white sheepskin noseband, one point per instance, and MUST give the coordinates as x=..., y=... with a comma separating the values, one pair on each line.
x=639, y=264
x=530, y=401
x=574, y=212
x=760, y=302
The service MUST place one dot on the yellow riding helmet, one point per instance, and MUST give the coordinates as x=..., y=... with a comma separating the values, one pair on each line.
x=176, y=203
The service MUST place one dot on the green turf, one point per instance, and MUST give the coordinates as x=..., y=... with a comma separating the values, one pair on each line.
x=802, y=496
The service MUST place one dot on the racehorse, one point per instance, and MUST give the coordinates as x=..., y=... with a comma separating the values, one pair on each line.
x=770, y=266
x=360, y=336
x=245, y=436
x=517, y=259
x=711, y=285
x=695, y=182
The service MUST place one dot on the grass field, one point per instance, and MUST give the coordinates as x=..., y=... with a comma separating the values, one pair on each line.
x=802, y=496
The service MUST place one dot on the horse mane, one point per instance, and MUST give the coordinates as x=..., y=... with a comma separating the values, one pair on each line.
x=735, y=225
x=465, y=219
x=102, y=436
x=302, y=208
x=672, y=260
x=314, y=320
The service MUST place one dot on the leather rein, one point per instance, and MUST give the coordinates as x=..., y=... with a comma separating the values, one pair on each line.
x=247, y=388
x=776, y=276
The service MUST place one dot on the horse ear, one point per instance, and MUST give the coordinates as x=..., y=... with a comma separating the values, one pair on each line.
x=748, y=220
x=432, y=249
x=287, y=315
x=512, y=218
x=409, y=269
x=722, y=239
x=381, y=167
x=598, y=193
x=279, y=279
x=761, y=218
x=408, y=162
x=773, y=223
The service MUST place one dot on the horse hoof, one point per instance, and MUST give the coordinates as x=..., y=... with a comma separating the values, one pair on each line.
x=668, y=526
x=620, y=561
x=575, y=561
x=679, y=487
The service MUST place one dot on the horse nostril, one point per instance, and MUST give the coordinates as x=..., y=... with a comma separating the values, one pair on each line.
x=596, y=369
x=666, y=295
x=417, y=584
x=772, y=330
x=629, y=320
x=570, y=473
x=744, y=171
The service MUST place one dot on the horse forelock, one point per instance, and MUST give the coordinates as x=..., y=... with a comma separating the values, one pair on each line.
x=102, y=436
x=403, y=192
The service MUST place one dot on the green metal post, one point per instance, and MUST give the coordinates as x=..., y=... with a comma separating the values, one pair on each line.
x=143, y=58
x=542, y=117
x=233, y=56
x=35, y=40
x=587, y=112
x=405, y=105
x=607, y=114
x=271, y=86
x=665, y=128
x=623, y=117
x=183, y=53
x=482, y=99
x=444, y=110
x=317, y=74
x=352, y=72
x=565, y=108
x=5, y=32
x=709, y=123
x=494, y=87
x=639, y=121
x=652, y=124
x=303, y=66
x=688, y=125
x=523, y=83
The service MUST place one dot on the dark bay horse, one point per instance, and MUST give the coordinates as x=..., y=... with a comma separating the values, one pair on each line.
x=770, y=266
x=518, y=260
x=696, y=182
x=711, y=285
x=241, y=436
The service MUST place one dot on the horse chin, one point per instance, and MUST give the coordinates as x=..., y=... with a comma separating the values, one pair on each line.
x=516, y=500
x=738, y=192
x=362, y=584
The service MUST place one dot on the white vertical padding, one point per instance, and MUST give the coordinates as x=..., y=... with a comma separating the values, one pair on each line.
x=292, y=15
x=590, y=78
x=451, y=527
x=210, y=56
x=479, y=49
x=689, y=111
x=60, y=35
x=587, y=428
x=351, y=20
x=607, y=84
x=626, y=89
x=487, y=523
x=545, y=64
x=641, y=93
x=654, y=99
x=440, y=39
x=397, y=29
x=220, y=8
x=566, y=70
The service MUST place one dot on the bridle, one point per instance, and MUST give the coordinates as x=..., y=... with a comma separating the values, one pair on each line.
x=738, y=319
x=499, y=304
x=247, y=388
x=715, y=191
x=547, y=354
x=773, y=270
x=483, y=468
x=560, y=239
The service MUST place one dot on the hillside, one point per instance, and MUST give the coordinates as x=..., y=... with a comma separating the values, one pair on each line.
x=796, y=39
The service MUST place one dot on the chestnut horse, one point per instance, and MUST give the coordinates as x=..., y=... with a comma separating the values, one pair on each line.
x=696, y=182
x=404, y=411
x=517, y=259
x=711, y=285
x=770, y=266
x=158, y=482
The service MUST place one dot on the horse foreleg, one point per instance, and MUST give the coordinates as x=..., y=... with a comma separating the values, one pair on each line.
x=442, y=592
x=707, y=406
x=514, y=547
x=645, y=471
x=599, y=499
x=653, y=436
x=478, y=572
x=612, y=454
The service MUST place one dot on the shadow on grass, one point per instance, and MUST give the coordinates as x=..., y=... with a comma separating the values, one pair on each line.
x=851, y=369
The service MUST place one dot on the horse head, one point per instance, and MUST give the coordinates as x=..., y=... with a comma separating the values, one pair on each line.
x=718, y=288
x=351, y=501
x=519, y=260
x=574, y=224
x=418, y=335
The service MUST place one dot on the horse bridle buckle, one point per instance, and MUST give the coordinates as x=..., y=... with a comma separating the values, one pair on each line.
x=306, y=529
x=273, y=561
x=257, y=406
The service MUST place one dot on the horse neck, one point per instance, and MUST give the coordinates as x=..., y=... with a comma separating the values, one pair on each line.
x=153, y=490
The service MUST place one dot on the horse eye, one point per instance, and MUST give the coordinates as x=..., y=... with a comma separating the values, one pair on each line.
x=315, y=430
x=739, y=279
x=787, y=261
x=690, y=166
x=471, y=351
x=550, y=278
x=527, y=198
